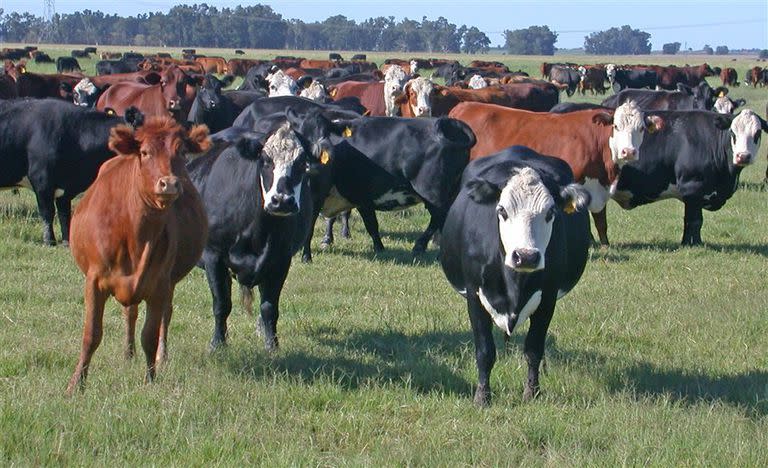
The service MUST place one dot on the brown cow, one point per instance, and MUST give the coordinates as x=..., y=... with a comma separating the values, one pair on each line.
x=139, y=229
x=729, y=77
x=371, y=94
x=212, y=64
x=754, y=76
x=239, y=67
x=321, y=64
x=593, y=142
x=111, y=55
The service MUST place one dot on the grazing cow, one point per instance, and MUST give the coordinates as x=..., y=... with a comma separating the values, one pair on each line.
x=280, y=84
x=639, y=78
x=79, y=54
x=335, y=57
x=388, y=163
x=566, y=77
x=90, y=50
x=697, y=158
x=595, y=143
x=138, y=231
x=122, y=65
x=729, y=77
x=55, y=149
x=684, y=98
x=259, y=208
x=212, y=64
x=239, y=52
x=359, y=57
x=514, y=242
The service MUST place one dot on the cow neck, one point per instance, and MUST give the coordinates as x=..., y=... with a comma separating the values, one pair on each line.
x=145, y=217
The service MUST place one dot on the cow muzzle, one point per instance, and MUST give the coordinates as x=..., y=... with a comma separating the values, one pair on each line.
x=168, y=186
x=627, y=154
x=742, y=159
x=174, y=105
x=525, y=260
x=281, y=205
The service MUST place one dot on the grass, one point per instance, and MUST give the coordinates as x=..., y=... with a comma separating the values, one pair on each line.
x=658, y=357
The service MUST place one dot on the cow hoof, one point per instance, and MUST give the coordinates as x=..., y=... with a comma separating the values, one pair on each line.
x=65, y=244
x=216, y=345
x=50, y=242
x=306, y=259
x=272, y=345
x=530, y=393
x=482, y=397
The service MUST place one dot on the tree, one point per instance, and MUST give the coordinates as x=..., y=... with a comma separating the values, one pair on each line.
x=473, y=41
x=763, y=54
x=721, y=50
x=671, y=48
x=618, y=41
x=534, y=40
x=708, y=49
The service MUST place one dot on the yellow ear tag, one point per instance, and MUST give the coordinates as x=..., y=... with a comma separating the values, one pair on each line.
x=570, y=207
x=324, y=157
x=110, y=112
x=721, y=94
x=333, y=92
x=23, y=69
x=347, y=132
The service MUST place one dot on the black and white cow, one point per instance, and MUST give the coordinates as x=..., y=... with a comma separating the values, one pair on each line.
x=341, y=109
x=724, y=104
x=56, y=149
x=259, y=212
x=696, y=158
x=511, y=248
x=390, y=163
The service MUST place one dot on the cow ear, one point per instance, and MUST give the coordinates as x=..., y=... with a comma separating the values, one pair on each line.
x=602, y=118
x=343, y=127
x=227, y=80
x=574, y=197
x=481, y=191
x=122, y=141
x=133, y=117
x=653, y=123
x=740, y=102
x=250, y=146
x=723, y=122
x=152, y=78
x=456, y=132
x=198, y=140
x=763, y=123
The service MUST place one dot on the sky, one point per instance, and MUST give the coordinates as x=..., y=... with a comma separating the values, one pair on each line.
x=734, y=23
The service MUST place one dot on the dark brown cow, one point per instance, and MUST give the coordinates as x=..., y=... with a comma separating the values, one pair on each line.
x=8, y=87
x=669, y=77
x=284, y=62
x=754, y=76
x=592, y=142
x=41, y=86
x=593, y=78
x=729, y=77
x=239, y=67
x=139, y=229
x=111, y=55
x=213, y=64
x=371, y=94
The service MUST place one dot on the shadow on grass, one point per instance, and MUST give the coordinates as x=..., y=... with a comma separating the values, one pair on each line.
x=754, y=186
x=667, y=246
x=395, y=255
x=388, y=358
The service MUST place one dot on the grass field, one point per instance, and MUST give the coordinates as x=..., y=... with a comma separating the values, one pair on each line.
x=658, y=357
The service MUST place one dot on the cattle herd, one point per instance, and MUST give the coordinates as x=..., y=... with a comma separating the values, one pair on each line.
x=178, y=171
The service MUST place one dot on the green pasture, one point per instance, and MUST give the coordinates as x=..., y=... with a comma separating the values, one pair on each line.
x=658, y=357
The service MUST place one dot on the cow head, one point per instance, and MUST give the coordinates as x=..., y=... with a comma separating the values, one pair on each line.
x=477, y=82
x=526, y=208
x=281, y=84
x=417, y=94
x=610, y=71
x=414, y=65
x=724, y=104
x=394, y=80
x=745, y=131
x=209, y=94
x=315, y=91
x=85, y=93
x=158, y=147
x=629, y=127
x=173, y=85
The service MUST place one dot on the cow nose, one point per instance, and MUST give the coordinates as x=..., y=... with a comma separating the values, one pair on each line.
x=212, y=104
x=282, y=205
x=743, y=158
x=525, y=259
x=168, y=185
x=423, y=110
x=628, y=153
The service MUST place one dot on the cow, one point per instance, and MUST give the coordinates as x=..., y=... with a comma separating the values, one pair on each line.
x=316, y=92
x=683, y=98
x=239, y=52
x=79, y=54
x=729, y=77
x=8, y=87
x=333, y=56
x=259, y=207
x=122, y=65
x=697, y=158
x=37, y=85
x=42, y=57
x=281, y=84
x=359, y=57
x=628, y=78
x=216, y=109
x=111, y=55
x=212, y=64
x=566, y=77
x=592, y=78
x=370, y=94
x=514, y=242
x=139, y=229
x=477, y=82
x=595, y=143
x=55, y=149
x=240, y=67
x=90, y=50
x=724, y=104
x=394, y=80
x=388, y=163
x=87, y=91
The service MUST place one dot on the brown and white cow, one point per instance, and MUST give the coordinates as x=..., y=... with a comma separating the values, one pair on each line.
x=595, y=143
x=139, y=229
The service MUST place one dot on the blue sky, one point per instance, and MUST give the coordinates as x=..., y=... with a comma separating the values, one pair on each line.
x=734, y=23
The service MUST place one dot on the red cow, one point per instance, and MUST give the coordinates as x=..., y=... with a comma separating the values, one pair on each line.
x=729, y=77
x=139, y=229
x=371, y=94
x=593, y=142
x=7, y=87
x=212, y=64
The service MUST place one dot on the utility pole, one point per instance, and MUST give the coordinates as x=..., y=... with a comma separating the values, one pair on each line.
x=49, y=10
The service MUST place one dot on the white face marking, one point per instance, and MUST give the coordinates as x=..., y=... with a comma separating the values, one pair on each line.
x=335, y=204
x=525, y=213
x=282, y=148
x=628, y=132
x=599, y=193
x=315, y=91
x=84, y=88
x=745, y=129
x=422, y=88
x=392, y=200
x=414, y=67
x=477, y=82
x=502, y=319
x=724, y=105
x=394, y=80
x=281, y=84
x=610, y=70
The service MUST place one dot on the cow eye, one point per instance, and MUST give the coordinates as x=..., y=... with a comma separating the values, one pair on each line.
x=502, y=212
x=550, y=214
x=144, y=154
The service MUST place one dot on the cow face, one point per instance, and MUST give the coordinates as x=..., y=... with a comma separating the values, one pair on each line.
x=158, y=147
x=629, y=128
x=281, y=84
x=477, y=82
x=209, y=94
x=526, y=209
x=394, y=80
x=284, y=165
x=419, y=91
x=84, y=94
x=315, y=91
x=745, y=131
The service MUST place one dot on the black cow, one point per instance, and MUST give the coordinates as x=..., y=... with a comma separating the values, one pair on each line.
x=361, y=57
x=55, y=149
x=67, y=64
x=79, y=54
x=637, y=79
x=90, y=50
x=512, y=250
x=388, y=163
x=239, y=52
x=259, y=212
x=565, y=107
x=42, y=57
x=565, y=76
x=700, y=97
x=124, y=65
x=696, y=158
x=341, y=109
x=217, y=109
x=335, y=57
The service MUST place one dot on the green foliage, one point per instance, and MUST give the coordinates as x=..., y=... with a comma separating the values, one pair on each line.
x=474, y=41
x=671, y=48
x=618, y=41
x=534, y=40
x=708, y=49
x=721, y=50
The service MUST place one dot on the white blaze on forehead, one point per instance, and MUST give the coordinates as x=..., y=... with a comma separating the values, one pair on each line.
x=527, y=202
x=724, y=105
x=628, y=131
x=744, y=128
x=394, y=80
x=422, y=88
x=85, y=86
x=315, y=91
x=281, y=84
x=610, y=70
x=477, y=82
x=282, y=148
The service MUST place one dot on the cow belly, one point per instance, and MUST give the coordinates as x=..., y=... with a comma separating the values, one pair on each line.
x=396, y=200
x=598, y=192
x=334, y=204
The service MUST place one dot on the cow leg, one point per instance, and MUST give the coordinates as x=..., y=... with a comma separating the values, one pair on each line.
x=45, y=206
x=601, y=225
x=485, y=348
x=344, y=215
x=157, y=306
x=692, y=224
x=436, y=221
x=162, y=345
x=328, y=238
x=766, y=174
x=270, y=290
x=130, y=314
x=533, y=348
x=92, y=331
x=306, y=256
x=64, y=210
x=372, y=226
x=221, y=289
